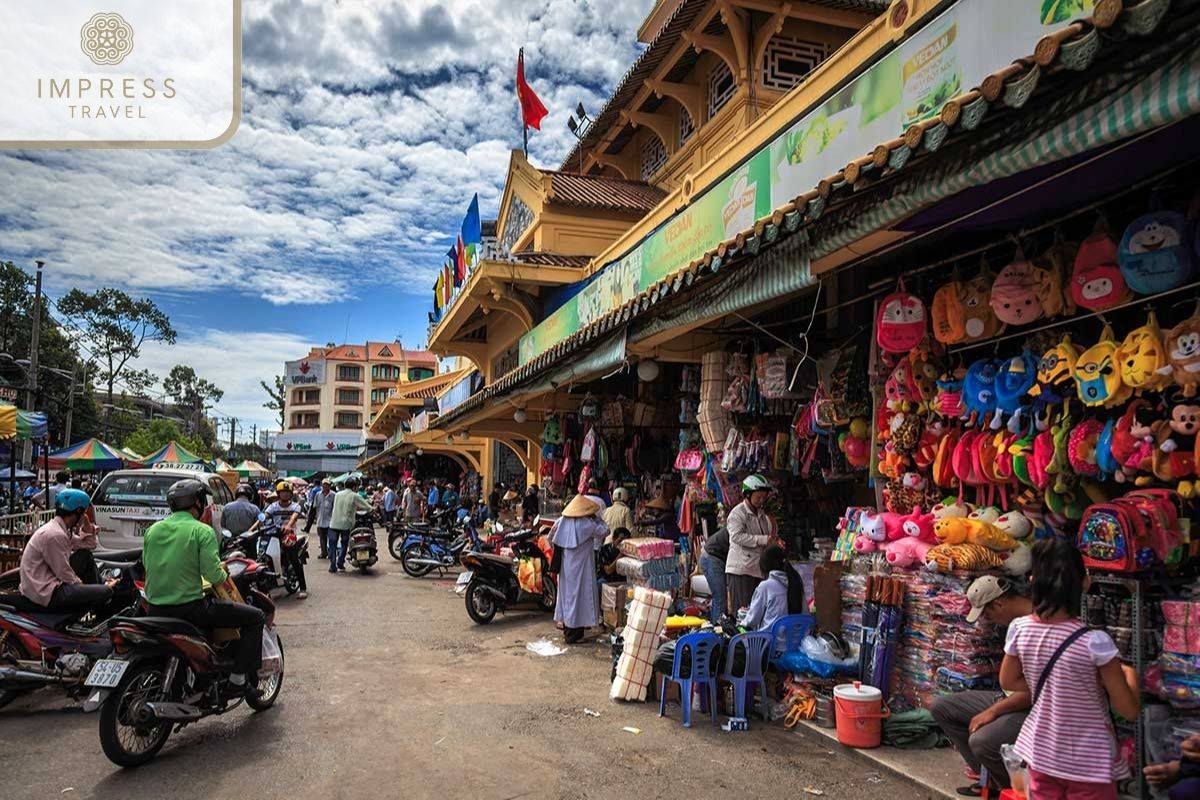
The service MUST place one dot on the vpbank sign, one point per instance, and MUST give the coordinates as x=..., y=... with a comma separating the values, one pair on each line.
x=120, y=73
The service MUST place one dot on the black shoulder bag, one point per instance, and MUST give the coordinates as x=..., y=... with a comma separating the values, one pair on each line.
x=1062, y=648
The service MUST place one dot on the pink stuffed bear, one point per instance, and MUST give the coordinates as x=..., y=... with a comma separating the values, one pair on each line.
x=907, y=551
x=893, y=525
x=918, y=525
x=872, y=532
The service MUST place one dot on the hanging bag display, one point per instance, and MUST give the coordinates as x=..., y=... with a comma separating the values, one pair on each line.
x=1096, y=280
x=900, y=321
x=1098, y=373
x=1142, y=357
x=1155, y=254
x=949, y=316
x=1183, y=353
x=1014, y=297
x=1052, y=287
x=979, y=320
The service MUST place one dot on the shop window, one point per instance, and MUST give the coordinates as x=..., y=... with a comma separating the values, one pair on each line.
x=347, y=419
x=686, y=126
x=788, y=61
x=721, y=87
x=505, y=363
x=306, y=419
x=654, y=156
x=306, y=397
x=419, y=373
x=349, y=372
x=349, y=397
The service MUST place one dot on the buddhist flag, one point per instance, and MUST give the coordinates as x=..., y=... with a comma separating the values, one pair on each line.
x=532, y=110
x=472, y=235
x=447, y=285
x=460, y=262
x=437, y=293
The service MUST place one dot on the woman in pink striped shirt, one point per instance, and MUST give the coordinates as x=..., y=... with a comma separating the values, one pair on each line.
x=1068, y=739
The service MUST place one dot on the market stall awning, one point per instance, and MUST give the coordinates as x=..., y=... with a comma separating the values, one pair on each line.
x=252, y=469
x=345, y=476
x=31, y=425
x=172, y=453
x=221, y=465
x=132, y=458
x=90, y=455
x=20, y=475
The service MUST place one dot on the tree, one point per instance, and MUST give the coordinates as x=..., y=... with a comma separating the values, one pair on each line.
x=114, y=327
x=158, y=432
x=191, y=393
x=140, y=382
x=16, y=295
x=278, y=397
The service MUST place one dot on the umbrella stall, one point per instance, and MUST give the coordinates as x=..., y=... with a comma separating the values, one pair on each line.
x=171, y=453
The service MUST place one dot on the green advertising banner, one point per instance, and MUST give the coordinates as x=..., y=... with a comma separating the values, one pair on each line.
x=951, y=53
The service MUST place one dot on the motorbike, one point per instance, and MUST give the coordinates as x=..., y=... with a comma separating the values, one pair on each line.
x=491, y=584
x=424, y=552
x=363, y=552
x=268, y=549
x=165, y=674
x=53, y=648
x=438, y=525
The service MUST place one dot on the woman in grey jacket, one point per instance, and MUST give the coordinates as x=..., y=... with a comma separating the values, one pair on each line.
x=780, y=594
x=751, y=529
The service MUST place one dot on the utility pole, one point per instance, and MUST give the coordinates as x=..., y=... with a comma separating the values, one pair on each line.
x=31, y=389
x=232, y=431
x=71, y=405
x=254, y=434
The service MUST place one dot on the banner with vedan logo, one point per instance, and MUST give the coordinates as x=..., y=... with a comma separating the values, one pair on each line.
x=132, y=73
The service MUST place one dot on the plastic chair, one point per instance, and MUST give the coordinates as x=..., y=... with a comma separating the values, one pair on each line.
x=757, y=647
x=788, y=632
x=702, y=647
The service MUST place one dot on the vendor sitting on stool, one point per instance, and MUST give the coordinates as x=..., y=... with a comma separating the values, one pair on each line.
x=978, y=722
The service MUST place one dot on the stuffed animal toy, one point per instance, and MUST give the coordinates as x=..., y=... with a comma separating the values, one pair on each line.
x=1183, y=354
x=872, y=532
x=900, y=325
x=985, y=513
x=949, y=401
x=899, y=387
x=931, y=437
x=949, y=316
x=1096, y=281
x=1014, y=297
x=1055, y=379
x=1053, y=266
x=980, y=320
x=949, y=557
x=1175, y=457
x=1155, y=253
x=1098, y=373
x=918, y=525
x=959, y=530
x=1015, y=524
x=1016, y=377
x=1133, y=441
x=1019, y=561
x=923, y=377
x=907, y=552
x=979, y=387
x=1141, y=356
x=950, y=508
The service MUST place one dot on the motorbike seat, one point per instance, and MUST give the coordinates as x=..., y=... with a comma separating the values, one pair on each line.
x=130, y=555
x=160, y=625
x=505, y=560
x=27, y=608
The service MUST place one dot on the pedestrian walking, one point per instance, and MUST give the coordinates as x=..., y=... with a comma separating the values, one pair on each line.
x=431, y=500
x=323, y=502
x=577, y=535
x=388, y=503
x=345, y=504
x=310, y=501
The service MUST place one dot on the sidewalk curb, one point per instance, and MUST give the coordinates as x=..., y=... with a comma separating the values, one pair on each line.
x=881, y=759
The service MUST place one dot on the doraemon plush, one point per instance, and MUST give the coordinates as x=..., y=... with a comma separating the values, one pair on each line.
x=1155, y=254
x=1016, y=377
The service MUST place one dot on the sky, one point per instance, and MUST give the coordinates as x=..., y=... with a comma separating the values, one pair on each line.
x=367, y=126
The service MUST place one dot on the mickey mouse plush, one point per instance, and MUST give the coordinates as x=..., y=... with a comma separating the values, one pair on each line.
x=1176, y=438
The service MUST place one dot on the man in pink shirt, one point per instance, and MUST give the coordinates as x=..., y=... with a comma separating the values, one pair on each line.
x=47, y=578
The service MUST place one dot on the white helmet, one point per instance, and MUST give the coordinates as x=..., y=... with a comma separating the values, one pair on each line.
x=755, y=483
x=620, y=495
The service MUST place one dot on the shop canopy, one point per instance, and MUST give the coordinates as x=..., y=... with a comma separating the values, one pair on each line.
x=345, y=476
x=15, y=423
x=132, y=458
x=171, y=453
x=90, y=455
x=20, y=475
x=252, y=469
x=221, y=465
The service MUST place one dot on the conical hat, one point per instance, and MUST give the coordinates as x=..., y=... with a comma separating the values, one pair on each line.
x=581, y=506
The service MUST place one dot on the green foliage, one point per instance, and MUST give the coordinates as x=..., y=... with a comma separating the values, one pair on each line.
x=278, y=397
x=153, y=435
x=1055, y=11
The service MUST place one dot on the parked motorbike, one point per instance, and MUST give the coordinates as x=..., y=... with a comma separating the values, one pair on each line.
x=424, y=552
x=363, y=551
x=438, y=525
x=52, y=648
x=165, y=673
x=490, y=582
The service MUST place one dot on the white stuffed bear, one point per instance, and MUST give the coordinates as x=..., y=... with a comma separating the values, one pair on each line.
x=951, y=507
x=1015, y=524
x=986, y=513
x=1019, y=561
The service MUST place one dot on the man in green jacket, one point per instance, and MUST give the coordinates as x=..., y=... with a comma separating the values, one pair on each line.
x=345, y=504
x=178, y=552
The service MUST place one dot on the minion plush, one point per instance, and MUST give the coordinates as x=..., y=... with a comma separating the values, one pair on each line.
x=1055, y=379
x=1098, y=373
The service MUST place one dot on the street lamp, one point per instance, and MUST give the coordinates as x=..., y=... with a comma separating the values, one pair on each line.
x=579, y=129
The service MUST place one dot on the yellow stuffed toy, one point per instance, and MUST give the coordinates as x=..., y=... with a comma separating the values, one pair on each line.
x=968, y=530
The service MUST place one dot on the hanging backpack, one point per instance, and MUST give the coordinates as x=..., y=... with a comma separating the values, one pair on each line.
x=900, y=322
x=980, y=321
x=1016, y=377
x=1096, y=281
x=1014, y=297
x=1051, y=288
x=1081, y=447
x=1112, y=538
x=979, y=387
x=1155, y=254
x=943, y=462
x=1098, y=373
x=1141, y=356
x=1182, y=345
x=949, y=316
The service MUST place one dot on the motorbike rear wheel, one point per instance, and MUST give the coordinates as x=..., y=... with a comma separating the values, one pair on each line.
x=549, y=594
x=10, y=652
x=481, y=604
x=271, y=686
x=396, y=545
x=127, y=737
x=416, y=551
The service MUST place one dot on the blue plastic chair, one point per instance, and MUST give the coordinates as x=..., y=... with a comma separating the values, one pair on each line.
x=788, y=632
x=702, y=647
x=757, y=647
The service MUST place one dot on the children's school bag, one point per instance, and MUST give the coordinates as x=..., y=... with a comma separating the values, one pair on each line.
x=980, y=320
x=1098, y=373
x=1096, y=280
x=1155, y=254
x=1014, y=294
x=900, y=323
x=949, y=319
x=1113, y=538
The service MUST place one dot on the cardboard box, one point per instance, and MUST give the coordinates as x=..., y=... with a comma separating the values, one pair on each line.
x=612, y=596
x=614, y=618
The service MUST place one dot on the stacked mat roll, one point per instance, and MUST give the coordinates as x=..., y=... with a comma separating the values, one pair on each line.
x=714, y=420
x=644, y=625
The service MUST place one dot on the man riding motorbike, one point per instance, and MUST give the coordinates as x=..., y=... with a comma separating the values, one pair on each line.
x=240, y=515
x=286, y=512
x=180, y=550
x=49, y=568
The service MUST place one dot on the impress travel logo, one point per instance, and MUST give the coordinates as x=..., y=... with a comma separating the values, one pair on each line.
x=134, y=74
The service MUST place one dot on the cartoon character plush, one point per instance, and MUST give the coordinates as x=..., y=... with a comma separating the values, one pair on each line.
x=924, y=376
x=1133, y=440
x=1016, y=377
x=918, y=525
x=949, y=557
x=900, y=325
x=979, y=387
x=1141, y=356
x=1155, y=252
x=1055, y=379
x=898, y=389
x=871, y=532
x=949, y=402
x=985, y=513
x=960, y=530
x=1175, y=458
x=949, y=317
x=980, y=320
x=1183, y=354
x=1098, y=373
x=1096, y=281
x=906, y=552
x=949, y=508
x=1052, y=265
x=1015, y=524
x=1014, y=294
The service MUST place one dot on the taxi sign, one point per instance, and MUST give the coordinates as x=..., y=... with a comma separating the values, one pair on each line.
x=187, y=467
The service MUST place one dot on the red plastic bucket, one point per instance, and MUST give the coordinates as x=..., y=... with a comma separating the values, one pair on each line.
x=860, y=715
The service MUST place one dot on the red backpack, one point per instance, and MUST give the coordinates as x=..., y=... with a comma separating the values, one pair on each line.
x=1131, y=533
x=1096, y=280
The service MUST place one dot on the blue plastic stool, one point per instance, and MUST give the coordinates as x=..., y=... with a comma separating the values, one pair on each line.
x=788, y=632
x=702, y=647
x=757, y=646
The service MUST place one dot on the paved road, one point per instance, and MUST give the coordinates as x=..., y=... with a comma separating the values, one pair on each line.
x=392, y=692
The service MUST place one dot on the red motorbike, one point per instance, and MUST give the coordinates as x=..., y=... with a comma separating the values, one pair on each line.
x=165, y=673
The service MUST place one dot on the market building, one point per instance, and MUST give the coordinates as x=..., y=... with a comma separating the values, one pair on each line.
x=331, y=397
x=860, y=289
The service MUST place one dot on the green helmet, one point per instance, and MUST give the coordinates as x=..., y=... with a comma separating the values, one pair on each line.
x=755, y=483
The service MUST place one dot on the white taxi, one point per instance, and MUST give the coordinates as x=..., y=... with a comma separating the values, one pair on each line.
x=129, y=501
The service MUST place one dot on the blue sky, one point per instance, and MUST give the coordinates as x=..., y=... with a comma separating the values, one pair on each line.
x=367, y=126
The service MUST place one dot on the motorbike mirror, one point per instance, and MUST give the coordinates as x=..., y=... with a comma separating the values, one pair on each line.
x=262, y=517
x=226, y=533
x=537, y=520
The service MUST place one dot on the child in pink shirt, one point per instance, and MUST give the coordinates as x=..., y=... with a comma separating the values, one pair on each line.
x=1068, y=739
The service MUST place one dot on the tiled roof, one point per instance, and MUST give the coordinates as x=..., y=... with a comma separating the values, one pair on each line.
x=1073, y=48
x=612, y=194
x=551, y=259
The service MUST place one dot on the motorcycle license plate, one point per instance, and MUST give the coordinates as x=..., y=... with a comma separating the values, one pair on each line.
x=464, y=580
x=361, y=556
x=107, y=673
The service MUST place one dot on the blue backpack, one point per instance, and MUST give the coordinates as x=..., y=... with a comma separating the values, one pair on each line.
x=1016, y=377
x=979, y=387
x=1155, y=254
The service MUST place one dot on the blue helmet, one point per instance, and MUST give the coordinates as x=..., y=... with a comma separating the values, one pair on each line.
x=71, y=500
